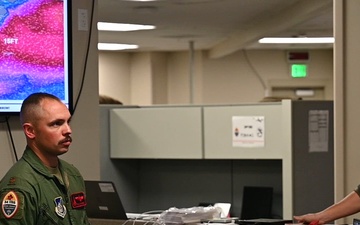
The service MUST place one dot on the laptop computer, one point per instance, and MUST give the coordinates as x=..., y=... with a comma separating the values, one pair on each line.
x=103, y=201
x=257, y=202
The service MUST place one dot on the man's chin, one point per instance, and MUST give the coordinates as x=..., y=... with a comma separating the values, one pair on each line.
x=63, y=151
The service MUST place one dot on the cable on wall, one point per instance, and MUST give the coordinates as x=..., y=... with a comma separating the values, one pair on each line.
x=86, y=57
x=255, y=71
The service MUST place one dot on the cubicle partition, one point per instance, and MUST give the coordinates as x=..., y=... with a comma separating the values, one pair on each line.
x=180, y=156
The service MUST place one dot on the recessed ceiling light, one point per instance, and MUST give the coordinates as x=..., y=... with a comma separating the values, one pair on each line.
x=104, y=26
x=297, y=40
x=115, y=47
x=142, y=0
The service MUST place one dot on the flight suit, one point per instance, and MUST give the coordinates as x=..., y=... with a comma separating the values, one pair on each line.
x=31, y=195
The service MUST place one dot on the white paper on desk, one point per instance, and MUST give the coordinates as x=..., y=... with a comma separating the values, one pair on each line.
x=318, y=130
x=225, y=209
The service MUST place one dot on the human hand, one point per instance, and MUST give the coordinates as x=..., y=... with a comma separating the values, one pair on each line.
x=311, y=218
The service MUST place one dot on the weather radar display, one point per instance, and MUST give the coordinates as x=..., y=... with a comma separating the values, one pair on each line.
x=33, y=56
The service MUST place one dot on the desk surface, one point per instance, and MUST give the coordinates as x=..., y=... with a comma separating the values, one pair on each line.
x=96, y=221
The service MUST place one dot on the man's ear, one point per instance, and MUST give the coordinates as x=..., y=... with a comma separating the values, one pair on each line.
x=29, y=130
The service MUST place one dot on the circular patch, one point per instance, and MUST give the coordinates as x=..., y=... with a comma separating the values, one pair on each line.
x=10, y=204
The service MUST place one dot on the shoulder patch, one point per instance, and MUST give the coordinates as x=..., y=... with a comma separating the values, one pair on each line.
x=10, y=204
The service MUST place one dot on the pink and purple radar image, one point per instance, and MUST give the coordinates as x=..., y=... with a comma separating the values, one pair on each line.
x=32, y=48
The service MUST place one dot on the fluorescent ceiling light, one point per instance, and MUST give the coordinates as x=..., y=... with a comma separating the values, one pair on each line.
x=122, y=26
x=297, y=40
x=115, y=47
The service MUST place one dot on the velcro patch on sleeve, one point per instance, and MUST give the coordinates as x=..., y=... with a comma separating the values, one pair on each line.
x=12, y=205
x=78, y=200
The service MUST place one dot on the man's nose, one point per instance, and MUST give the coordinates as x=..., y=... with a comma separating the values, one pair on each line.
x=67, y=129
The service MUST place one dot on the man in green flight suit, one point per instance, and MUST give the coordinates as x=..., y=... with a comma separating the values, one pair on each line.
x=41, y=188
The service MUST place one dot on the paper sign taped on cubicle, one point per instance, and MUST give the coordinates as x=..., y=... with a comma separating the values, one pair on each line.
x=318, y=131
x=248, y=131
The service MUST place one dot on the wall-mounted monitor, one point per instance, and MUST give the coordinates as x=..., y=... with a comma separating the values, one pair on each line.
x=35, y=51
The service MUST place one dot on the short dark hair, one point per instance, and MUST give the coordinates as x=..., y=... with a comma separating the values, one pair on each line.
x=31, y=104
x=104, y=99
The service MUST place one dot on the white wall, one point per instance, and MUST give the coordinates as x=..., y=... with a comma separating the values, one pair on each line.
x=179, y=78
x=236, y=78
x=115, y=75
x=141, y=79
x=160, y=79
x=84, y=152
x=347, y=110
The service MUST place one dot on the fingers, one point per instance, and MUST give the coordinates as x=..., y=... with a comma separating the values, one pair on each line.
x=300, y=219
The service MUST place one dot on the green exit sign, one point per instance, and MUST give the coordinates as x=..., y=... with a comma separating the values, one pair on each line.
x=298, y=70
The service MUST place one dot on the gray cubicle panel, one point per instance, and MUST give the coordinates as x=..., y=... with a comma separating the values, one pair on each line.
x=313, y=160
x=149, y=184
x=169, y=183
x=216, y=171
x=123, y=174
x=218, y=131
x=157, y=132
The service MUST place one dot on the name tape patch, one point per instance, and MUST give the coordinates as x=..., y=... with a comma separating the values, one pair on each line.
x=78, y=200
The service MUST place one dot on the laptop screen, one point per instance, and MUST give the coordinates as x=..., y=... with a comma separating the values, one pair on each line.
x=103, y=201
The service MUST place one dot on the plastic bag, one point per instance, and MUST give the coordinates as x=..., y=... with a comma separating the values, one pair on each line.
x=189, y=215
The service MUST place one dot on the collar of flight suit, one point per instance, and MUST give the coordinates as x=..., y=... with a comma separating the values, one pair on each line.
x=34, y=161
